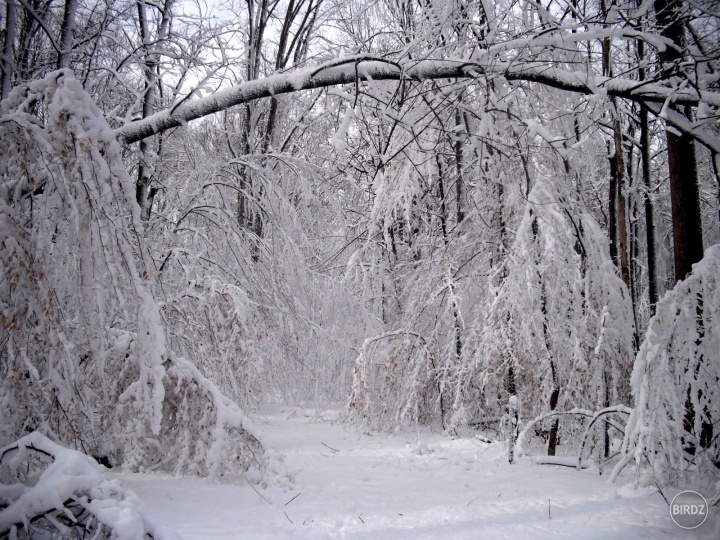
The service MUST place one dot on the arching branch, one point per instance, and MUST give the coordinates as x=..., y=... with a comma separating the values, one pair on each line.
x=354, y=69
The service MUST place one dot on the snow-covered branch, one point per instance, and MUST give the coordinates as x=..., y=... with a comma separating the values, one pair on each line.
x=355, y=69
x=520, y=445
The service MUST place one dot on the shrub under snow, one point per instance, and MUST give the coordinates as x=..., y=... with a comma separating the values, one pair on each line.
x=49, y=491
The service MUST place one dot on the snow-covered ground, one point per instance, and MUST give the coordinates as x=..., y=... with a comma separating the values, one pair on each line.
x=408, y=485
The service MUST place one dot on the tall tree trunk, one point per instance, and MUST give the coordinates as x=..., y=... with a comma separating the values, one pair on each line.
x=441, y=195
x=621, y=201
x=647, y=184
x=8, y=52
x=618, y=204
x=66, y=34
x=612, y=209
x=459, y=181
x=459, y=212
x=649, y=210
x=143, y=193
x=633, y=249
x=685, y=204
x=684, y=195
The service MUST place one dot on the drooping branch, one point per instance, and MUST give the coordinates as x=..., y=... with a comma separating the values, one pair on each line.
x=617, y=409
x=574, y=412
x=354, y=69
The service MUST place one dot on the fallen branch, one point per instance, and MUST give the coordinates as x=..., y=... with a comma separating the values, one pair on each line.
x=333, y=450
x=561, y=461
x=256, y=491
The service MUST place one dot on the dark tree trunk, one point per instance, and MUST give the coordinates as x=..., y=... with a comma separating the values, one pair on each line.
x=441, y=195
x=649, y=210
x=647, y=183
x=685, y=204
x=621, y=204
x=684, y=193
x=8, y=52
x=459, y=182
x=612, y=210
x=617, y=202
x=512, y=410
x=554, y=396
x=684, y=196
x=633, y=249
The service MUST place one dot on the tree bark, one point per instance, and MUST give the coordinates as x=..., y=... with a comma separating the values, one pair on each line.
x=685, y=204
x=66, y=34
x=621, y=204
x=647, y=182
x=8, y=53
x=684, y=195
x=612, y=210
x=684, y=192
x=618, y=205
x=143, y=193
x=459, y=181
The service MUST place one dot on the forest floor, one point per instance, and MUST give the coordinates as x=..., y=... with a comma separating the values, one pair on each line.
x=414, y=485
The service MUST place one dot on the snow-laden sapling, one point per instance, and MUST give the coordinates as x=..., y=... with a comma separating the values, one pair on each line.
x=672, y=435
x=85, y=357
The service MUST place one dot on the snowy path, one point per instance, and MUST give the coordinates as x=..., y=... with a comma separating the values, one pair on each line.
x=348, y=485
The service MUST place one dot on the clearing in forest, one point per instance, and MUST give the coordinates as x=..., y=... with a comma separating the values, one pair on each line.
x=411, y=484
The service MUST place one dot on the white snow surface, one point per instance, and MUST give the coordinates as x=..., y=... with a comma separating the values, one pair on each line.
x=411, y=484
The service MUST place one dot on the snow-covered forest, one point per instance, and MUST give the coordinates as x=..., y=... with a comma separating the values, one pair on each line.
x=467, y=220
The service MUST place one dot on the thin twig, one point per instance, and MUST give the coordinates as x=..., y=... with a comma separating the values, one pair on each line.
x=661, y=493
x=256, y=491
x=291, y=500
x=475, y=499
x=288, y=517
x=335, y=450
